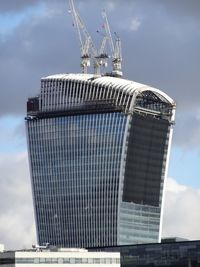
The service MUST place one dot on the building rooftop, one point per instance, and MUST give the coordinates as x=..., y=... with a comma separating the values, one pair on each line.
x=127, y=86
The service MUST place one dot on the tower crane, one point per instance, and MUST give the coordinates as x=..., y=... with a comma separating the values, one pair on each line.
x=102, y=56
x=86, y=44
x=115, y=48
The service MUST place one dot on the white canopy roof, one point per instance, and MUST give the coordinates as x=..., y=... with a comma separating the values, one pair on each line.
x=127, y=86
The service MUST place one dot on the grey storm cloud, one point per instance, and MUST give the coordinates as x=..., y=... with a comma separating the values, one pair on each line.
x=160, y=44
x=14, y=6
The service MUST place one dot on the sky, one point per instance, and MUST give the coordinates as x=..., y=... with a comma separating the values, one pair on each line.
x=160, y=46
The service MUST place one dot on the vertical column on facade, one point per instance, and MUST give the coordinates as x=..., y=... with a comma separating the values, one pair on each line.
x=90, y=171
x=108, y=91
x=52, y=95
x=37, y=179
x=94, y=91
x=76, y=91
x=86, y=93
x=48, y=95
x=97, y=178
x=42, y=95
x=115, y=93
x=72, y=93
x=119, y=97
x=51, y=176
x=71, y=208
x=106, y=178
x=69, y=95
x=63, y=231
x=56, y=93
x=59, y=94
x=78, y=178
x=88, y=185
x=82, y=95
x=68, y=176
x=103, y=172
x=83, y=173
x=127, y=104
x=122, y=97
x=59, y=170
x=100, y=92
x=104, y=89
x=75, y=226
x=96, y=175
x=53, y=147
x=111, y=178
x=90, y=87
x=114, y=169
x=64, y=93
x=79, y=90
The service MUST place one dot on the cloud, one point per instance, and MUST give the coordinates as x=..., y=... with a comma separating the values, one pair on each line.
x=135, y=24
x=15, y=6
x=17, y=229
x=47, y=43
x=184, y=7
x=187, y=131
x=181, y=211
x=12, y=134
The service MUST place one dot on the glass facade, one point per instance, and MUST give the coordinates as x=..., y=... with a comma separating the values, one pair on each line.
x=75, y=174
x=98, y=150
x=170, y=254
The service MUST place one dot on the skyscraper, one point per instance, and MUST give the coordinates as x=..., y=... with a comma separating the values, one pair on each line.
x=98, y=152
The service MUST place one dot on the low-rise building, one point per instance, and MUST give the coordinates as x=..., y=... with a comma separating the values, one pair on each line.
x=59, y=257
x=167, y=254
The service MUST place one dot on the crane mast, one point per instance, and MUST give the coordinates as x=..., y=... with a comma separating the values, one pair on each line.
x=87, y=46
x=84, y=37
x=115, y=48
x=88, y=49
x=102, y=56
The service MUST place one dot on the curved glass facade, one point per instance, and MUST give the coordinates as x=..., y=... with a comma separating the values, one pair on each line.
x=76, y=164
x=97, y=162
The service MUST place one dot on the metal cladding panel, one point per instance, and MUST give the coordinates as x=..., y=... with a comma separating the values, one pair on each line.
x=145, y=162
x=75, y=162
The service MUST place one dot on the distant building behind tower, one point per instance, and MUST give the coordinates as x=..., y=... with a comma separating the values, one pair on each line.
x=98, y=152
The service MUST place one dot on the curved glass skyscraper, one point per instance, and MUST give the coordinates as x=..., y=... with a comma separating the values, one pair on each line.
x=98, y=150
